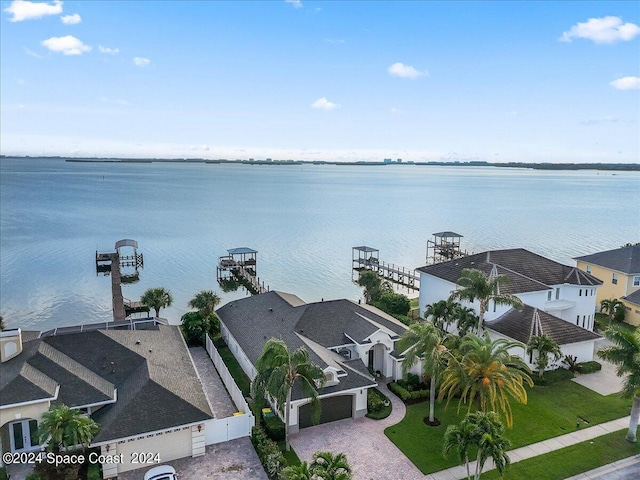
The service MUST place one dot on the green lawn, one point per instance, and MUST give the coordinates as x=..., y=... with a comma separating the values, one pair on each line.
x=551, y=411
x=241, y=379
x=291, y=456
x=572, y=460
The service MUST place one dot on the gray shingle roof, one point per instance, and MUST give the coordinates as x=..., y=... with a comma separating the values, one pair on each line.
x=157, y=386
x=521, y=325
x=254, y=320
x=633, y=297
x=526, y=271
x=625, y=259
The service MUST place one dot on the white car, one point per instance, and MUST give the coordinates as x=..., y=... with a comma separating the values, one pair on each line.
x=162, y=472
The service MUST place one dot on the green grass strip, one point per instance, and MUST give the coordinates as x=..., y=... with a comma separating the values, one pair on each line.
x=571, y=460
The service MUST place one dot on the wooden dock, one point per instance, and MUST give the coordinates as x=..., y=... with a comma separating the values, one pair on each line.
x=368, y=258
x=240, y=265
x=111, y=263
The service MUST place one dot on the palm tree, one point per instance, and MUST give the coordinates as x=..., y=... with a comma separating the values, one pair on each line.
x=327, y=466
x=157, y=298
x=297, y=472
x=487, y=373
x=545, y=346
x=428, y=345
x=611, y=306
x=3, y=325
x=278, y=369
x=62, y=429
x=483, y=431
x=626, y=355
x=477, y=285
x=466, y=319
x=205, y=302
x=442, y=313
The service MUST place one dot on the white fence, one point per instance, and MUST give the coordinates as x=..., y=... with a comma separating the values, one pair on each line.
x=224, y=429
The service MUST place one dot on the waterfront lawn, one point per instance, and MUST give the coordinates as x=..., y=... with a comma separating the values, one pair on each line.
x=571, y=460
x=551, y=411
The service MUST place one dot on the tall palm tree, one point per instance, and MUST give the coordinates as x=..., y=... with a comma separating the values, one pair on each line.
x=205, y=302
x=626, y=355
x=428, y=345
x=466, y=319
x=477, y=285
x=545, y=346
x=278, y=369
x=488, y=374
x=483, y=431
x=442, y=313
x=329, y=466
x=611, y=306
x=157, y=298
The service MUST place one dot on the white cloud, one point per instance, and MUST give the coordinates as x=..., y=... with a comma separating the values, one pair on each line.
x=119, y=101
x=334, y=40
x=108, y=51
x=602, y=30
x=295, y=3
x=141, y=61
x=406, y=71
x=68, y=45
x=71, y=19
x=25, y=10
x=626, y=83
x=324, y=104
x=32, y=53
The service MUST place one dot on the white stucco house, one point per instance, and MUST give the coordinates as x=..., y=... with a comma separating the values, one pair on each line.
x=559, y=300
x=347, y=340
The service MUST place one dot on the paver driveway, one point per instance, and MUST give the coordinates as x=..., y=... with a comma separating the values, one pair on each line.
x=370, y=453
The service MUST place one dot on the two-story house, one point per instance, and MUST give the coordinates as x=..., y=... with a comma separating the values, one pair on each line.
x=619, y=270
x=559, y=300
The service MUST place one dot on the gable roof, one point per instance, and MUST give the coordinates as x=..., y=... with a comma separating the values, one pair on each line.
x=624, y=259
x=523, y=324
x=157, y=386
x=526, y=271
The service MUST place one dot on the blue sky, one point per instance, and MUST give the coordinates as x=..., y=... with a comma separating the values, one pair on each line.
x=496, y=81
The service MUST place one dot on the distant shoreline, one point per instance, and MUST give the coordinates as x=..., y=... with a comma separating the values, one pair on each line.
x=534, y=166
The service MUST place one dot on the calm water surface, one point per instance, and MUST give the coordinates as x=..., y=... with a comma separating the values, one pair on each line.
x=303, y=220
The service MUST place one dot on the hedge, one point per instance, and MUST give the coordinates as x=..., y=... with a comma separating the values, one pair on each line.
x=552, y=376
x=589, y=367
x=268, y=452
x=407, y=396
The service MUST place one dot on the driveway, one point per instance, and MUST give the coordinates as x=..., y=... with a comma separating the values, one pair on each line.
x=234, y=460
x=370, y=453
x=605, y=381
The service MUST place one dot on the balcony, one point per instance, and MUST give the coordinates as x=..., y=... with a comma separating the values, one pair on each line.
x=559, y=305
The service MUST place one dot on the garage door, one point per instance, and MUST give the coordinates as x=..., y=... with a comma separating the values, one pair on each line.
x=333, y=408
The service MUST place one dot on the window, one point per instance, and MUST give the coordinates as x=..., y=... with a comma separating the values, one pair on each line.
x=578, y=320
x=636, y=281
x=614, y=278
x=557, y=293
x=549, y=296
x=584, y=319
x=580, y=294
x=588, y=268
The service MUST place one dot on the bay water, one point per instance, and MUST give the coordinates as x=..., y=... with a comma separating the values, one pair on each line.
x=302, y=219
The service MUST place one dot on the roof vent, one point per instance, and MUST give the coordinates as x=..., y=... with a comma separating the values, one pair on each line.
x=138, y=342
x=271, y=309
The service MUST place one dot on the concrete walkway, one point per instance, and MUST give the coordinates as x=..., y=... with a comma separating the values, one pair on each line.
x=215, y=391
x=625, y=469
x=370, y=453
x=539, y=448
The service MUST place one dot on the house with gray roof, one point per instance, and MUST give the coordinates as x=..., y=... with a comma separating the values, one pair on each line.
x=559, y=300
x=350, y=342
x=140, y=386
x=619, y=270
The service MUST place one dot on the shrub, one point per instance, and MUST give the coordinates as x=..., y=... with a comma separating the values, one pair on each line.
x=375, y=402
x=31, y=476
x=571, y=361
x=407, y=396
x=274, y=427
x=3, y=473
x=393, y=303
x=268, y=452
x=553, y=376
x=589, y=367
x=620, y=313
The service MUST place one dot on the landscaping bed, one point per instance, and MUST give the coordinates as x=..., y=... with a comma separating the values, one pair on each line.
x=378, y=405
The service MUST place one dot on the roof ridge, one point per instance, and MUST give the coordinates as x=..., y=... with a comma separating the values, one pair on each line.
x=38, y=378
x=521, y=275
x=77, y=369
